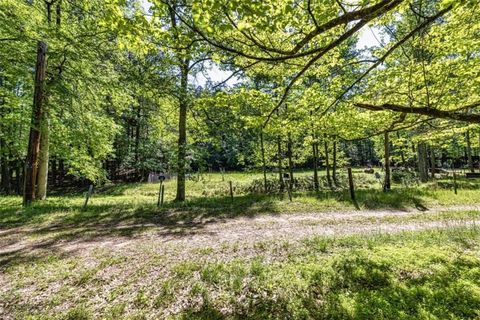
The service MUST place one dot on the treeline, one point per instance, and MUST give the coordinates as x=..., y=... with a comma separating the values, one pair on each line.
x=96, y=91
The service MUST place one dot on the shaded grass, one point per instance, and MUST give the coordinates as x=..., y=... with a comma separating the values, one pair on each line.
x=412, y=275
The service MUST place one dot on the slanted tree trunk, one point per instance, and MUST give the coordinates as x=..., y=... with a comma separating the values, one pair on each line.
x=422, y=161
x=290, y=159
x=182, y=133
x=386, y=145
x=327, y=162
x=469, y=152
x=34, y=139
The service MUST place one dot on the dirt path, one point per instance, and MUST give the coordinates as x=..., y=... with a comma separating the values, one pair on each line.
x=221, y=232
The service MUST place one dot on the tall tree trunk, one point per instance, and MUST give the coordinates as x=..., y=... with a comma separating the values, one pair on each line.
x=422, y=161
x=469, y=152
x=290, y=159
x=137, y=134
x=433, y=161
x=315, y=164
x=182, y=133
x=386, y=145
x=42, y=177
x=280, y=164
x=34, y=139
x=264, y=164
x=334, y=165
x=327, y=162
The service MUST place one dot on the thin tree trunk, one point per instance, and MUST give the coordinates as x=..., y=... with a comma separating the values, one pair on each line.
x=264, y=165
x=433, y=161
x=334, y=167
x=290, y=159
x=137, y=135
x=315, y=165
x=327, y=163
x=386, y=145
x=34, y=139
x=469, y=152
x=280, y=164
x=182, y=134
x=422, y=161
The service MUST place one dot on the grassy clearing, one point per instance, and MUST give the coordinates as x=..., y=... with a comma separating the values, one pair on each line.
x=136, y=261
x=414, y=275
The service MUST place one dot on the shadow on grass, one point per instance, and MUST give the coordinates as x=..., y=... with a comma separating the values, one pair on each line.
x=357, y=286
x=61, y=221
x=396, y=199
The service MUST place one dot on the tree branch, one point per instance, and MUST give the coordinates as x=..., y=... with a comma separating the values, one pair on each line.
x=425, y=111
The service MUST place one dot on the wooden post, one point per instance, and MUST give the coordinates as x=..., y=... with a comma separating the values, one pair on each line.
x=160, y=195
x=231, y=189
x=87, y=196
x=350, y=184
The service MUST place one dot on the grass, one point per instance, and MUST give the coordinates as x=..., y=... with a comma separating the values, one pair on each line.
x=137, y=261
x=413, y=275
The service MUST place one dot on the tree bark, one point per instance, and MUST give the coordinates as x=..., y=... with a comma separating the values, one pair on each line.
x=433, y=161
x=457, y=114
x=34, y=139
x=315, y=164
x=182, y=133
x=386, y=145
x=264, y=165
x=44, y=153
x=280, y=164
x=334, y=167
x=422, y=161
x=469, y=151
x=327, y=163
x=290, y=159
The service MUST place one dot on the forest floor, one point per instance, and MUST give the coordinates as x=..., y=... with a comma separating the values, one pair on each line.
x=254, y=258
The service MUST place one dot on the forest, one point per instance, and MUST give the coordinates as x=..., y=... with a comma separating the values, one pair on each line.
x=239, y=159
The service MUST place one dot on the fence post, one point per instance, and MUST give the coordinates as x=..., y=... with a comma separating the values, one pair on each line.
x=163, y=192
x=231, y=189
x=87, y=196
x=160, y=194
